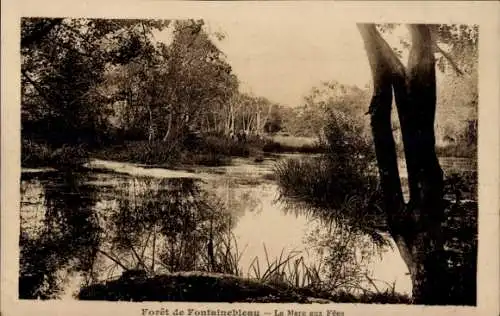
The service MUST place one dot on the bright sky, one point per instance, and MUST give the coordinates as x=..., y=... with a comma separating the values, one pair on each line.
x=282, y=59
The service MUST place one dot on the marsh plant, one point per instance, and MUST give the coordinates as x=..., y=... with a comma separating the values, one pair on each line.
x=168, y=226
x=151, y=226
x=339, y=186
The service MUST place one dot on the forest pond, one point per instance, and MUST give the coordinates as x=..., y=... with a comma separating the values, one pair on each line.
x=87, y=227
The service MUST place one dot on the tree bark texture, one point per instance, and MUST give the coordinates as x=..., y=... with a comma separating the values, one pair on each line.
x=415, y=226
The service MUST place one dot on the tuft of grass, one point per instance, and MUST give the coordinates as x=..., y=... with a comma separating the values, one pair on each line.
x=370, y=297
x=227, y=256
x=286, y=271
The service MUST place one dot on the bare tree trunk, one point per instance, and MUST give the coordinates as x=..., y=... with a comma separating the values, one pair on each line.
x=243, y=120
x=228, y=121
x=416, y=226
x=169, y=126
x=215, y=123
x=257, y=127
x=268, y=115
x=250, y=124
x=427, y=174
x=151, y=132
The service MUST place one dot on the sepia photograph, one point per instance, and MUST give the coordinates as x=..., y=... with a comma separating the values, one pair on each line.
x=152, y=171
x=243, y=160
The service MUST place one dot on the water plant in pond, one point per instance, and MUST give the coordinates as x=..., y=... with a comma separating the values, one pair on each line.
x=346, y=255
x=341, y=188
x=290, y=270
x=172, y=225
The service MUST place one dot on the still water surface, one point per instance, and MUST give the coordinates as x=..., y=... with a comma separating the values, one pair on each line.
x=103, y=207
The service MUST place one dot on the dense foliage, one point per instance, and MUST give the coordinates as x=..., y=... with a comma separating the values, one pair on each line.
x=94, y=83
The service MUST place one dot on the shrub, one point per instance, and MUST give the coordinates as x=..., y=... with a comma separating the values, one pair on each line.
x=69, y=156
x=340, y=188
x=272, y=146
x=42, y=155
x=224, y=146
x=346, y=169
x=461, y=185
x=210, y=159
x=465, y=144
x=280, y=146
x=157, y=153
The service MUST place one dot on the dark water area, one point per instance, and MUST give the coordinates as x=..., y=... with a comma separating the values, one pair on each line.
x=78, y=229
x=98, y=226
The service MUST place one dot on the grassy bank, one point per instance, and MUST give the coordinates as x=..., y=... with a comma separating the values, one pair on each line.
x=286, y=279
x=293, y=144
x=208, y=151
x=211, y=287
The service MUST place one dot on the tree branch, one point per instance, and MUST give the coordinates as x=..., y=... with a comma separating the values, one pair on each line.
x=38, y=89
x=448, y=57
x=113, y=259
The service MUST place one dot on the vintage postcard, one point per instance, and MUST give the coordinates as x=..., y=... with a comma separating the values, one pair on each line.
x=250, y=158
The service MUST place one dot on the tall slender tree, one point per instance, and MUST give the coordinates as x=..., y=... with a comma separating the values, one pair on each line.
x=416, y=225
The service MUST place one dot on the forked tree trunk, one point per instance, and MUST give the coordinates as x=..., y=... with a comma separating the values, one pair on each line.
x=416, y=226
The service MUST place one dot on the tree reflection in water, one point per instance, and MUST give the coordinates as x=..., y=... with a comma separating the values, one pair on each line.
x=147, y=225
x=65, y=242
x=172, y=225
